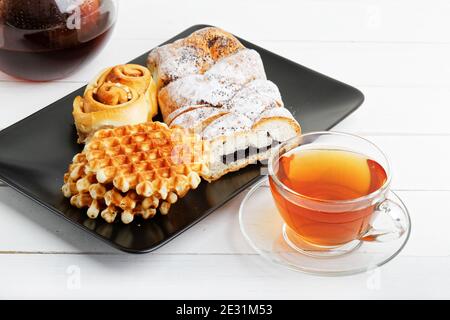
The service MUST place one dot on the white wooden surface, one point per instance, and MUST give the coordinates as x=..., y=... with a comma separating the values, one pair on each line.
x=396, y=52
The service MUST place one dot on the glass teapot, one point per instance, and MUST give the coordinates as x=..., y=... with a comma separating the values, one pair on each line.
x=44, y=40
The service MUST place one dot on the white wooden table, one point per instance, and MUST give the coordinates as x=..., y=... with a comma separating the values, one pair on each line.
x=396, y=52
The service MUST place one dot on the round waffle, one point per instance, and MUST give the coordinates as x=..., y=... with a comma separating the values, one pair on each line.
x=133, y=170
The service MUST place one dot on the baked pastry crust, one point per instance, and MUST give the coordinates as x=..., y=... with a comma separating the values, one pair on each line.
x=194, y=54
x=120, y=95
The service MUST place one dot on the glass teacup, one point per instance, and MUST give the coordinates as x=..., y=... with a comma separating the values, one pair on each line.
x=330, y=188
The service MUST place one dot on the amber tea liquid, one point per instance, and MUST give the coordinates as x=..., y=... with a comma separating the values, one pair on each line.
x=321, y=176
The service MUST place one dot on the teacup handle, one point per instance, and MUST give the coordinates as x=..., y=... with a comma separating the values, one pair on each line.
x=395, y=211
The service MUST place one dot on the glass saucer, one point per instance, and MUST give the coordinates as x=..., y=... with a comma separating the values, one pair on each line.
x=262, y=226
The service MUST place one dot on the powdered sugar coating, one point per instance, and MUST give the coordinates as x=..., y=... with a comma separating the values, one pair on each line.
x=195, y=118
x=257, y=100
x=192, y=55
x=182, y=110
x=174, y=61
x=212, y=80
x=275, y=112
x=228, y=124
x=201, y=89
x=243, y=66
x=254, y=98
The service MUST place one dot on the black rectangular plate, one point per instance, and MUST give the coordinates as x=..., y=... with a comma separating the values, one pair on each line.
x=35, y=153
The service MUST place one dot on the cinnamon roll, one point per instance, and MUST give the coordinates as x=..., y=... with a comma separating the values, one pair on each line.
x=121, y=95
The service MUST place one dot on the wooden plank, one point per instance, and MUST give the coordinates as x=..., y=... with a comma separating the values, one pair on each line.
x=372, y=64
x=31, y=228
x=360, y=64
x=396, y=52
x=210, y=277
x=325, y=20
x=408, y=153
x=419, y=162
x=391, y=111
x=404, y=111
x=22, y=99
x=30, y=222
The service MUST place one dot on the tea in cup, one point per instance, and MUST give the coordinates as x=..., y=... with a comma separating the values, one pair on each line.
x=329, y=188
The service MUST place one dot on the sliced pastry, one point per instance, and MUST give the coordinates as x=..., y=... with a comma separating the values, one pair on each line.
x=194, y=54
x=220, y=91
